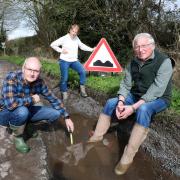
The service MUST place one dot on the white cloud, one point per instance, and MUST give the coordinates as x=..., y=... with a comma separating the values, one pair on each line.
x=21, y=31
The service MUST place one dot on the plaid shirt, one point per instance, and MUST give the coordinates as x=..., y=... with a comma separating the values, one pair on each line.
x=17, y=92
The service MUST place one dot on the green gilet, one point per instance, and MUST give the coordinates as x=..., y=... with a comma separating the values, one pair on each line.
x=143, y=77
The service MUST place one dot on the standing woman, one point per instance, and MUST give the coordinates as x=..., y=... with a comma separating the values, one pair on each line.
x=69, y=58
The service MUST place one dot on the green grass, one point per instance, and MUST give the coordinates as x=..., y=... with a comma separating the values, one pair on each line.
x=107, y=84
x=175, y=103
x=14, y=59
x=50, y=68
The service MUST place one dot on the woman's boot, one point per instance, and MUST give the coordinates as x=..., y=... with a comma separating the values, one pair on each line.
x=83, y=91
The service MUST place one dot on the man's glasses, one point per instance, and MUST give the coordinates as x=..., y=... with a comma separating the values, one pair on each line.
x=142, y=46
x=33, y=70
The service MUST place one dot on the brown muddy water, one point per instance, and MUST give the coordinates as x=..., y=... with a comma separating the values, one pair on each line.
x=94, y=162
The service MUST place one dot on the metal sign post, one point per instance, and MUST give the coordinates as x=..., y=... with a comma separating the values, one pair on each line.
x=4, y=47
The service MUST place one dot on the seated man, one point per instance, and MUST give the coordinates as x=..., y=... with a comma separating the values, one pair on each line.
x=20, y=91
x=145, y=90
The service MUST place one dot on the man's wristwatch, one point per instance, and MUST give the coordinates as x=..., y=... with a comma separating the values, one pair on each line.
x=120, y=101
x=67, y=117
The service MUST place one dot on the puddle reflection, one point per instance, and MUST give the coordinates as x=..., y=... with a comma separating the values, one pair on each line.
x=75, y=153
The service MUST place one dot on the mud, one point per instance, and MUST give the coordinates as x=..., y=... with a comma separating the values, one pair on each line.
x=52, y=156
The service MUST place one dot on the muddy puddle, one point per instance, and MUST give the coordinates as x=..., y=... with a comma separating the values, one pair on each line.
x=94, y=162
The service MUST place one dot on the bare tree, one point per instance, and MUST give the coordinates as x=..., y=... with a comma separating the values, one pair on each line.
x=38, y=15
x=9, y=15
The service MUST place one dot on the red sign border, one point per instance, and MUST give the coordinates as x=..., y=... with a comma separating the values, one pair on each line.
x=103, y=69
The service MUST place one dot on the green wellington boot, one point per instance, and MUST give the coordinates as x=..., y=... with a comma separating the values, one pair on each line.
x=19, y=142
x=20, y=145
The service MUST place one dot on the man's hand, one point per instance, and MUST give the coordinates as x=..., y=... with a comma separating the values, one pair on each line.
x=127, y=111
x=36, y=98
x=69, y=124
x=119, y=109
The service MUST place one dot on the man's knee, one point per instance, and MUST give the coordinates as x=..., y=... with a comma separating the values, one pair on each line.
x=111, y=103
x=110, y=106
x=21, y=115
x=22, y=112
x=144, y=116
x=55, y=115
x=143, y=108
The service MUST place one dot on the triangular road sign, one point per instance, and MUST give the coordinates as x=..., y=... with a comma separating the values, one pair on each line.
x=103, y=59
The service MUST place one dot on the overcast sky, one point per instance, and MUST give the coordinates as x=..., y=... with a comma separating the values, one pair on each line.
x=21, y=28
x=22, y=31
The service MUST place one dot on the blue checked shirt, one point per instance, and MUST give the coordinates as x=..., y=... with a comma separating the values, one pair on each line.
x=17, y=92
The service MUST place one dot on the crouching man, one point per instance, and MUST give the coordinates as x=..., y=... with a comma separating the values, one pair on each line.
x=145, y=91
x=20, y=92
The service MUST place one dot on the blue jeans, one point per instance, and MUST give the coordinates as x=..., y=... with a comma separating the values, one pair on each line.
x=22, y=115
x=143, y=114
x=64, y=67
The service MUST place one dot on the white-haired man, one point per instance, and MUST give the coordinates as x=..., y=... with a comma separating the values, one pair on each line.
x=145, y=91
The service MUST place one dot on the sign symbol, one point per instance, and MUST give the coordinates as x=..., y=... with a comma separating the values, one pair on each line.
x=100, y=63
x=103, y=59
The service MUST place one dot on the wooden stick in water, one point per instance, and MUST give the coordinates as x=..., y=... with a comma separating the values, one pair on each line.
x=71, y=138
